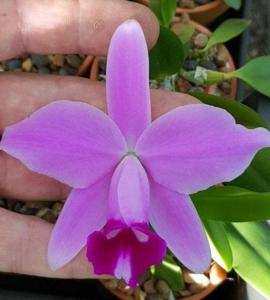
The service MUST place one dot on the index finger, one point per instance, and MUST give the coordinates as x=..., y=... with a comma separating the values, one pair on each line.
x=74, y=26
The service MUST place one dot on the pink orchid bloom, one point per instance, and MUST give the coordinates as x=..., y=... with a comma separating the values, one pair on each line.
x=126, y=171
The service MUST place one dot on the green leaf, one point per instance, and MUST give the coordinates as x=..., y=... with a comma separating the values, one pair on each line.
x=257, y=74
x=232, y=204
x=250, y=243
x=167, y=57
x=220, y=247
x=170, y=272
x=257, y=175
x=227, y=31
x=164, y=10
x=242, y=113
x=236, y=4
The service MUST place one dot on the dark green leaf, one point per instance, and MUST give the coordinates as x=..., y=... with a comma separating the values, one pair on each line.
x=228, y=30
x=220, y=247
x=164, y=10
x=232, y=204
x=170, y=272
x=242, y=114
x=167, y=57
x=257, y=175
x=257, y=74
x=250, y=243
x=184, y=31
x=236, y=4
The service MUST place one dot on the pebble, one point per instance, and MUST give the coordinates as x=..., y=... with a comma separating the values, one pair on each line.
x=196, y=278
x=17, y=206
x=196, y=89
x=73, y=60
x=57, y=207
x=200, y=40
x=63, y=72
x=57, y=60
x=14, y=64
x=27, y=65
x=2, y=69
x=202, y=2
x=190, y=65
x=2, y=203
x=36, y=204
x=154, y=297
x=139, y=294
x=44, y=70
x=149, y=286
x=111, y=284
x=225, y=86
x=40, y=60
x=221, y=57
x=46, y=214
x=187, y=3
x=208, y=64
x=183, y=85
x=163, y=288
x=27, y=210
x=196, y=288
x=185, y=293
x=69, y=70
x=124, y=288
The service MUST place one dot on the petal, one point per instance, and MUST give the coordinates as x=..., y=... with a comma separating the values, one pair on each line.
x=128, y=94
x=175, y=220
x=129, y=192
x=197, y=146
x=72, y=142
x=84, y=212
x=125, y=254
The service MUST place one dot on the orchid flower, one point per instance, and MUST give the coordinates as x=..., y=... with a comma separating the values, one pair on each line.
x=128, y=172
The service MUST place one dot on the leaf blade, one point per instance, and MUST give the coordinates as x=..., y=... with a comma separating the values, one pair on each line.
x=236, y=4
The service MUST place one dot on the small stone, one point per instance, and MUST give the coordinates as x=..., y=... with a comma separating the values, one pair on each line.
x=185, y=18
x=57, y=60
x=2, y=203
x=187, y=3
x=202, y=2
x=163, y=288
x=190, y=65
x=154, y=297
x=63, y=72
x=149, y=286
x=185, y=293
x=200, y=279
x=111, y=284
x=17, y=206
x=139, y=294
x=124, y=288
x=2, y=69
x=183, y=85
x=68, y=70
x=57, y=207
x=14, y=64
x=26, y=210
x=44, y=70
x=195, y=288
x=73, y=60
x=221, y=57
x=208, y=64
x=27, y=65
x=200, y=40
x=225, y=86
x=144, y=277
x=46, y=214
x=196, y=89
x=36, y=204
x=40, y=60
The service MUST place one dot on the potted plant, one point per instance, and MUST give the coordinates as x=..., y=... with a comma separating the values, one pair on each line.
x=203, y=12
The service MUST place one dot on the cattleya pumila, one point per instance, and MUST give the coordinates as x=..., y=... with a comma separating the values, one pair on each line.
x=127, y=172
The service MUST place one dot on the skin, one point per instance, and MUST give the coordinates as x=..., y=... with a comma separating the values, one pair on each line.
x=49, y=26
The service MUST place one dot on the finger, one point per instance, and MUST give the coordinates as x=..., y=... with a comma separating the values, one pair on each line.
x=74, y=26
x=23, y=248
x=22, y=95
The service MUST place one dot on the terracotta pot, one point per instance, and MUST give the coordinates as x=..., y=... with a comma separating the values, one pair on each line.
x=204, y=14
x=216, y=275
x=211, y=89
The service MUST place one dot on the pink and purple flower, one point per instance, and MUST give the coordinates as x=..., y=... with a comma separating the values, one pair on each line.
x=127, y=172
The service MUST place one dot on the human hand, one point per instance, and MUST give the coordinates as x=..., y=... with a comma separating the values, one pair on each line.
x=54, y=27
